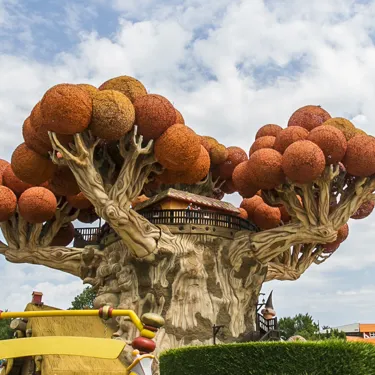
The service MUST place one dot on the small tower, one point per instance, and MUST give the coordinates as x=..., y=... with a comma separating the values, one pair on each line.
x=37, y=299
x=268, y=312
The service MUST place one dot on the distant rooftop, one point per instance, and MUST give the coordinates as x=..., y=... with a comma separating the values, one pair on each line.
x=354, y=327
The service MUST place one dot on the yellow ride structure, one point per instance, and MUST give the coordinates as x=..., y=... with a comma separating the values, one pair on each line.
x=71, y=342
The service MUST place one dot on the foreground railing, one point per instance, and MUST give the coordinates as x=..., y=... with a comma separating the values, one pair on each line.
x=148, y=325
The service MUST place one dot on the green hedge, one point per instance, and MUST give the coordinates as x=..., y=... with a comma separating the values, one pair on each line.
x=272, y=358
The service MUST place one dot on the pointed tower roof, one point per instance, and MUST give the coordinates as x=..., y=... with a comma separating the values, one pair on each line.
x=269, y=303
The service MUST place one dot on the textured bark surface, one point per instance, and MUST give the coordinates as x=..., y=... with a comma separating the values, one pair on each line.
x=192, y=283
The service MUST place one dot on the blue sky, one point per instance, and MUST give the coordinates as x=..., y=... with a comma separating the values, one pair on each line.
x=229, y=67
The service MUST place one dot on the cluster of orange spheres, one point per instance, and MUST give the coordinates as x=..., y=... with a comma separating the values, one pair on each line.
x=31, y=183
x=109, y=113
x=299, y=154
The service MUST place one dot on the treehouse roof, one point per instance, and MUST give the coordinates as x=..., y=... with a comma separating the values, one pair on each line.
x=189, y=198
x=73, y=326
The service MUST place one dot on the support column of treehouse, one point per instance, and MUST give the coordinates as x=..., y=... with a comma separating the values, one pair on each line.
x=84, y=158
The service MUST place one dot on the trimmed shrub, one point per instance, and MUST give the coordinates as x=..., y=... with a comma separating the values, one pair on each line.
x=272, y=358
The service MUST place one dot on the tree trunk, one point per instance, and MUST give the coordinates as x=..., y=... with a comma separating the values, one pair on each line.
x=191, y=283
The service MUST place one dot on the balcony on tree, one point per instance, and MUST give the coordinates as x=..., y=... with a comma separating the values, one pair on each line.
x=182, y=212
x=87, y=236
x=178, y=208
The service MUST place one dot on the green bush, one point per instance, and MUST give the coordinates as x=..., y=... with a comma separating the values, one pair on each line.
x=272, y=358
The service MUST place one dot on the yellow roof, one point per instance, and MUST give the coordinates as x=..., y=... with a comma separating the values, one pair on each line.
x=73, y=326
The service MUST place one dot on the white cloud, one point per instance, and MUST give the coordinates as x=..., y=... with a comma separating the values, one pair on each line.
x=18, y=281
x=230, y=67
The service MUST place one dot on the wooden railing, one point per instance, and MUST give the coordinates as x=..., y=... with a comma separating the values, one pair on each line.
x=198, y=217
x=86, y=236
x=93, y=236
x=266, y=325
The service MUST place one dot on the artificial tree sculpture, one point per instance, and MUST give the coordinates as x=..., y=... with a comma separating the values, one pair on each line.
x=91, y=153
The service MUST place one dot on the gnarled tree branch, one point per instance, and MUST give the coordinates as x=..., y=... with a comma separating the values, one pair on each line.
x=359, y=192
x=138, y=164
x=302, y=257
x=138, y=233
x=59, y=258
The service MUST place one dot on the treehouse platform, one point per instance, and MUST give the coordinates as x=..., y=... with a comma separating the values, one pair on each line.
x=182, y=212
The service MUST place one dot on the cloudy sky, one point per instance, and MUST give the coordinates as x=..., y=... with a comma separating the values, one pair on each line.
x=229, y=67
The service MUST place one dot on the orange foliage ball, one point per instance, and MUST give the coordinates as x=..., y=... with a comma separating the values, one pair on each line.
x=33, y=141
x=64, y=236
x=243, y=214
x=195, y=173
x=265, y=169
x=309, y=117
x=262, y=142
x=31, y=167
x=208, y=142
x=37, y=205
x=360, y=132
x=359, y=159
x=250, y=204
x=8, y=203
x=242, y=180
x=169, y=177
x=13, y=182
x=218, y=154
x=152, y=186
x=154, y=114
x=63, y=182
x=3, y=165
x=177, y=148
x=179, y=117
x=226, y=170
x=228, y=187
x=342, y=235
x=344, y=125
x=236, y=156
x=36, y=118
x=66, y=109
x=35, y=133
x=331, y=141
x=268, y=130
x=113, y=115
x=88, y=216
x=364, y=210
x=129, y=86
x=331, y=248
x=78, y=201
x=303, y=162
x=267, y=217
x=199, y=169
x=288, y=136
x=90, y=89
